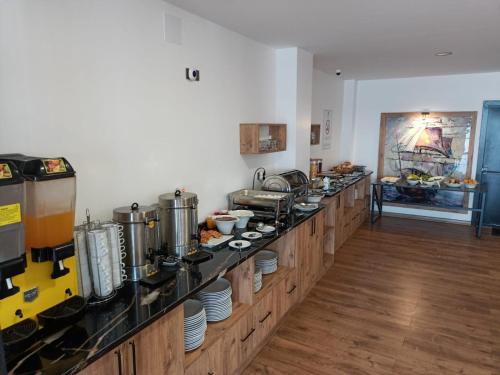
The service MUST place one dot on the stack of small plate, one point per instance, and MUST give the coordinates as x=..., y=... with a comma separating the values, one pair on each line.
x=257, y=279
x=195, y=324
x=267, y=261
x=216, y=299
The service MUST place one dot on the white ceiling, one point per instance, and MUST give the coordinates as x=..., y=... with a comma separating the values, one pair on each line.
x=370, y=39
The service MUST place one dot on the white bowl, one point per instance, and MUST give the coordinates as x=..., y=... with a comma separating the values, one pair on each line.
x=412, y=182
x=225, y=226
x=470, y=186
x=454, y=185
x=243, y=217
x=314, y=198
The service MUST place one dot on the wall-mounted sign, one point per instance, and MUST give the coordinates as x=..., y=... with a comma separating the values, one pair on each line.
x=327, y=129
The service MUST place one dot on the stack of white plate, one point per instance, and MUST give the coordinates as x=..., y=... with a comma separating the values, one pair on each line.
x=257, y=279
x=216, y=299
x=267, y=261
x=195, y=324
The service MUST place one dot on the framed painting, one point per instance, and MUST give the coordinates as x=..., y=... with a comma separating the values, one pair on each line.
x=426, y=144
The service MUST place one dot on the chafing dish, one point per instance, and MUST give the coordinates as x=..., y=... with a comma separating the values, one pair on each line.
x=263, y=203
x=290, y=181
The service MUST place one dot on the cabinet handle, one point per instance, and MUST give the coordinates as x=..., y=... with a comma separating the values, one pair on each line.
x=265, y=318
x=134, y=363
x=248, y=336
x=119, y=357
x=292, y=290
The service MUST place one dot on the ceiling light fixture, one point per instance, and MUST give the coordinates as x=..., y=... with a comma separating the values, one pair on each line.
x=443, y=53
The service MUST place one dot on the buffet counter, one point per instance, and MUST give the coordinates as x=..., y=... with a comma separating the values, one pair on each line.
x=105, y=327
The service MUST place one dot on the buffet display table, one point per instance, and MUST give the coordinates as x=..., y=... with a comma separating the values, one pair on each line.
x=480, y=193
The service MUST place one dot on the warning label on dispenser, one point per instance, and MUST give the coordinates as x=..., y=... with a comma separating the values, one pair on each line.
x=10, y=214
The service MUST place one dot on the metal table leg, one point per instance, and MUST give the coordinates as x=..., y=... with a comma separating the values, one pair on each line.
x=481, y=214
x=376, y=198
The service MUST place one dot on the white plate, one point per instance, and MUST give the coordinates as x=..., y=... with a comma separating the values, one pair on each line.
x=251, y=235
x=266, y=229
x=212, y=242
x=240, y=244
x=305, y=206
x=389, y=180
x=454, y=185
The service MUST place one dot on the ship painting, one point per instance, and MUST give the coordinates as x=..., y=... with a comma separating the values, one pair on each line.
x=435, y=145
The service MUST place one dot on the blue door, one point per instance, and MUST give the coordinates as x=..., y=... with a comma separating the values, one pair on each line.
x=488, y=168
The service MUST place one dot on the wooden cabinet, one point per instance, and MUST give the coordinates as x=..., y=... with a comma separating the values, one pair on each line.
x=239, y=343
x=310, y=251
x=157, y=349
x=262, y=138
x=286, y=295
x=211, y=362
x=113, y=363
x=265, y=317
x=339, y=221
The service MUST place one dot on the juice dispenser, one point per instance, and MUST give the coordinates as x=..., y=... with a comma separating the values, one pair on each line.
x=12, y=196
x=50, y=279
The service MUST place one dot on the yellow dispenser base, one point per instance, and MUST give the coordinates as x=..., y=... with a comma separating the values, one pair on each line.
x=36, y=283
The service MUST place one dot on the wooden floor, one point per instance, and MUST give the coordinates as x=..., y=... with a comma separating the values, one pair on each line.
x=403, y=297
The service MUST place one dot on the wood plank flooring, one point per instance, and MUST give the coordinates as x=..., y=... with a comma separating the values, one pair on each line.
x=403, y=297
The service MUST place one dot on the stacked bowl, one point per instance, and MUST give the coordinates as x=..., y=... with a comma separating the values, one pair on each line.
x=216, y=300
x=267, y=261
x=257, y=279
x=195, y=324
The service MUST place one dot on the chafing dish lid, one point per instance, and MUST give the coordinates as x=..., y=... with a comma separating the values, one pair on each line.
x=276, y=183
x=134, y=214
x=178, y=200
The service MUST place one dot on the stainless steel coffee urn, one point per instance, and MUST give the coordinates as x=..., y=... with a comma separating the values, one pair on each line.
x=141, y=238
x=179, y=218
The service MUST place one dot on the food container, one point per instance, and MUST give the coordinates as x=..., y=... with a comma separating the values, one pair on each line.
x=140, y=227
x=314, y=198
x=412, y=182
x=225, y=223
x=243, y=217
x=179, y=222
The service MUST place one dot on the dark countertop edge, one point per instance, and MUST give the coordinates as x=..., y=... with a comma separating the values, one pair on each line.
x=99, y=354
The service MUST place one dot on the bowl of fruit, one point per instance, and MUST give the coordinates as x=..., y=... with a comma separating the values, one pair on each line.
x=470, y=183
x=454, y=183
x=412, y=179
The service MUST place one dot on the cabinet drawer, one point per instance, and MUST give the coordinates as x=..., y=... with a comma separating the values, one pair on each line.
x=209, y=363
x=265, y=316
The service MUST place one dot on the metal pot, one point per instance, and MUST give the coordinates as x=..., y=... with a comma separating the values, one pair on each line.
x=140, y=231
x=179, y=217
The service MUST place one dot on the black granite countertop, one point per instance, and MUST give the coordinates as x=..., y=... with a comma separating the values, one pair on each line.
x=135, y=307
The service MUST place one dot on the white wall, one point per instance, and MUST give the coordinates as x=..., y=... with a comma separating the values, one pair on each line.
x=304, y=99
x=96, y=82
x=327, y=93
x=440, y=93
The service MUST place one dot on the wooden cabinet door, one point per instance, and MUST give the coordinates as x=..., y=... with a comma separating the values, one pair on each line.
x=339, y=223
x=239, y=343
x=264, y=317
x=286, y=295
x=304, y=236
x=317, y=247
x=158, y=348
x=112, y=363
x=209, y=363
